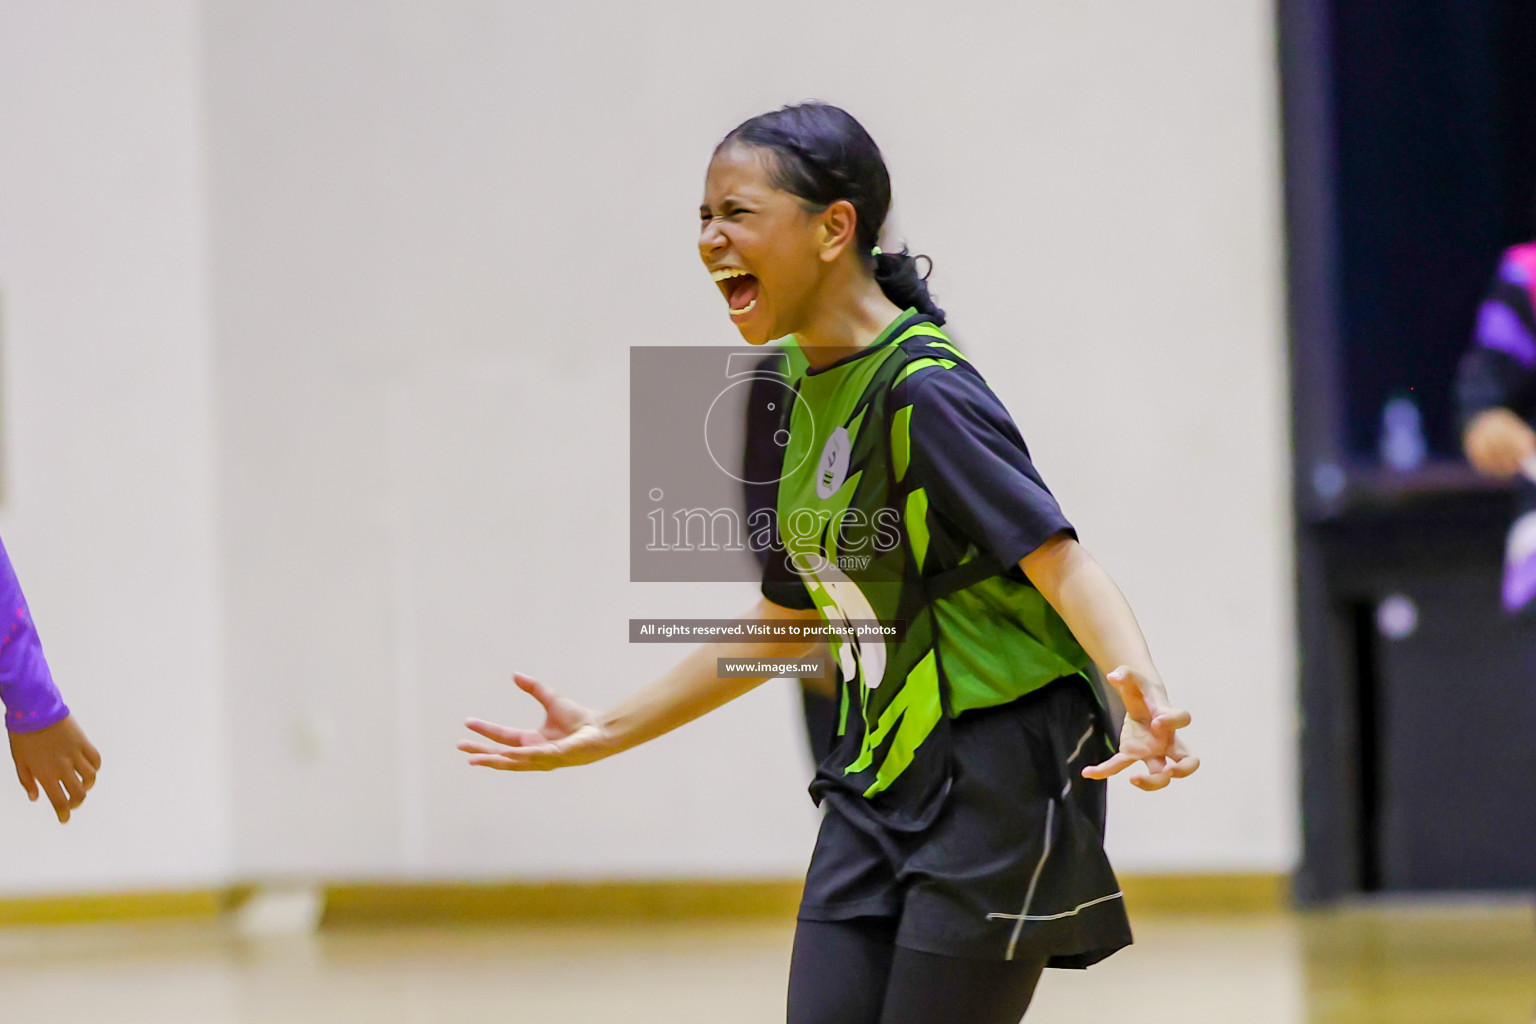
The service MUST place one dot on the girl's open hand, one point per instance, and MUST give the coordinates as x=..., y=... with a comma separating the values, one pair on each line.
x=1150, y=734
x=569, y=736
x=57, y=762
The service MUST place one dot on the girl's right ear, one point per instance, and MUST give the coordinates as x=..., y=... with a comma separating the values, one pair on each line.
x=839, y=229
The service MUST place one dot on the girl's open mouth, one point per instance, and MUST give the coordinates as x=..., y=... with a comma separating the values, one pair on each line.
x=739, y=289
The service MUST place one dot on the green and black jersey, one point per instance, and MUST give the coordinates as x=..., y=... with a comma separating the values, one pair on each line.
x=908, y=497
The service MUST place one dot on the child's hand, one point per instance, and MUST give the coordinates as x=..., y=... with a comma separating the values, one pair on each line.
x=59, y=761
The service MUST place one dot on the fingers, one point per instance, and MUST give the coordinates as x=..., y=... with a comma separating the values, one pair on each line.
x=508, y=735
x=1159, y=773
x=499, y=763
x=87, y=770
x=1114, y=766
x=75, y=787
x=582, y=747
x=1171, y=719
x=535, y=689
x=518, y=754
x=65, y=786
x=1185, y=766
x=57, y=795
x=1132, y=687
x=512, y=764
x=65, y=789
x=1124, y=680
x=28, y=783
x=471, y=747
x=515, y=759
x=1161, y=770
x=1154, y=781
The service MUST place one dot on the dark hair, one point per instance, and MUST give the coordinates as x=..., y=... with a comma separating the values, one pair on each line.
x=820, y=155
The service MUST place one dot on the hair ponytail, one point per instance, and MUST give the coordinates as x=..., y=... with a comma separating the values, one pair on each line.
x=897, y=275
x=822, y=154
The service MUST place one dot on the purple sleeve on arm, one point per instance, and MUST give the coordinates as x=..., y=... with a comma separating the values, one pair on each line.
x=31, y=700
x=1499, y=328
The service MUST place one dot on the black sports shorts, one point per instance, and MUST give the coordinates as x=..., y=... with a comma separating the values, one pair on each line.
x=1012, y=866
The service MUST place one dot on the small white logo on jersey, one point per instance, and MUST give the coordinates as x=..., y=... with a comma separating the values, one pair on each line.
x=832, y=468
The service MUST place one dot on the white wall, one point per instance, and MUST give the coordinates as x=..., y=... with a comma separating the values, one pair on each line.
x=107, y=466
x=395, y=466
x=438, y=229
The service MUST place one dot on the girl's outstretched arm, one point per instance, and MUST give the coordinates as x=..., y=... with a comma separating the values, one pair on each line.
x=572, y=734
x=1092, y=606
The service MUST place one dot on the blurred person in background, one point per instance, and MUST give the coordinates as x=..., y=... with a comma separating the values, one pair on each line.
x=1496, y=400
x=52, y=755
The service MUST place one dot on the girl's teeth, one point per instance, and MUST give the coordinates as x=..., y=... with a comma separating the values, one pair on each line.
x=726, y=274
x=744, y=310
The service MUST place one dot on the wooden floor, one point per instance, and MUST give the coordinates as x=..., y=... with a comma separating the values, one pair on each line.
x=1417, y=965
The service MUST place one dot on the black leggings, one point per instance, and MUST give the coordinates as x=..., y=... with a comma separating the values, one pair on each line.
x=852, y=972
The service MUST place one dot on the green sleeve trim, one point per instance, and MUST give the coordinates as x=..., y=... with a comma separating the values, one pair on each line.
x=901, y=441
x=924, y=331
x=917, y=524
x=940, y=339
x=920, y=364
